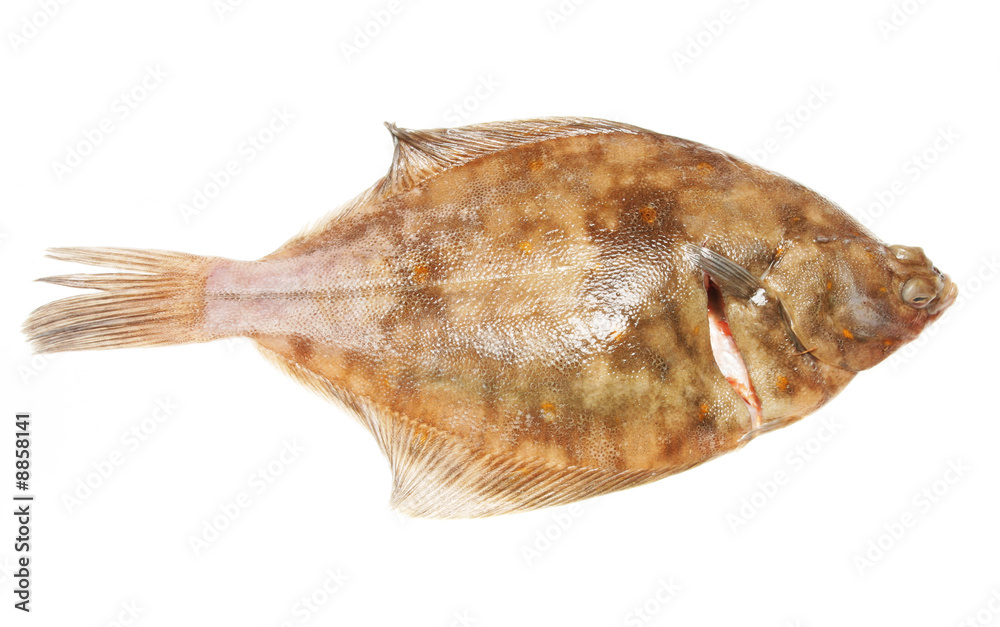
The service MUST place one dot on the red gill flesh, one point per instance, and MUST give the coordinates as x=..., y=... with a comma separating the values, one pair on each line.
x=727, y=354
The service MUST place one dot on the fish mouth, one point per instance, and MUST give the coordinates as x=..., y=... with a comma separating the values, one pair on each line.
x=944, y=299
x=728, y=357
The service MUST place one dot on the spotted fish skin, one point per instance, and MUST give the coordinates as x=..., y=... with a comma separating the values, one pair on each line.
x=515, y=314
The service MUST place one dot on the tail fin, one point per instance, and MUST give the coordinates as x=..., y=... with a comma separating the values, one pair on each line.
x=158, y=301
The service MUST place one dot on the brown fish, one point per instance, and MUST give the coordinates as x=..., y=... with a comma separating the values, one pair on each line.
x=530, y=313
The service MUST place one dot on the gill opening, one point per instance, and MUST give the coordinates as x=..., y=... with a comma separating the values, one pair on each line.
x=727, y=354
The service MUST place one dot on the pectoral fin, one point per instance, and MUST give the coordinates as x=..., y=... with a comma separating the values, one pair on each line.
x=734, y=279
x=724, y=272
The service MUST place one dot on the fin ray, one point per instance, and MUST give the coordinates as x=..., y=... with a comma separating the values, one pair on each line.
x=160, y=302
x=436, y=475
x=726, y=273
x=421, y=154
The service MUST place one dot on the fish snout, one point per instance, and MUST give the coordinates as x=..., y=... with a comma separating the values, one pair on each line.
x=944, y=297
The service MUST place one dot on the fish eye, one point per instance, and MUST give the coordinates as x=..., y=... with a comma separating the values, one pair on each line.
x=918, y=292
x=907, y=254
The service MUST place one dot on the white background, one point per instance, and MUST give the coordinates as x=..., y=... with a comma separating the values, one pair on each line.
x=731, y=553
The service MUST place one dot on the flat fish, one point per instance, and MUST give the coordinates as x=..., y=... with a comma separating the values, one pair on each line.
x=525, y=314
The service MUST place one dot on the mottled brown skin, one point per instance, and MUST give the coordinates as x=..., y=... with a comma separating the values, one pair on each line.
x=480, y=270
x=519, y=324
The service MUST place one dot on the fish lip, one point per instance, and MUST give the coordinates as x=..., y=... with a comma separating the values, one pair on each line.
x=945, y=298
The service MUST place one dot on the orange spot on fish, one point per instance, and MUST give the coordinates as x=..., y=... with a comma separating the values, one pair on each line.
x=783, y=383
x=703, y=411
x=648, y=214
x=829, y=284
x=705, y=168
x=525, y=247
x=548, y=411
x=536, y=165
x=882, y=290
x=887, y=342
x=848, y=334
x=696, y=330
x=420, y=273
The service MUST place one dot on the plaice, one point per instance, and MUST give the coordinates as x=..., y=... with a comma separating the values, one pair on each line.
x=518, y=311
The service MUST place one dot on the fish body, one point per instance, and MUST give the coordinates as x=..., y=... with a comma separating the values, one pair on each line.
x=529, y=313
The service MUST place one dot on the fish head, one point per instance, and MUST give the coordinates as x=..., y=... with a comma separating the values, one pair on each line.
x=853, y=301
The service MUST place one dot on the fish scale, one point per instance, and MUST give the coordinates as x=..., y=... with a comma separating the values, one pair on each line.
x=519, y=312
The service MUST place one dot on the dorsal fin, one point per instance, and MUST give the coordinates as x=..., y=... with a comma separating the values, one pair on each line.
x=419, y=155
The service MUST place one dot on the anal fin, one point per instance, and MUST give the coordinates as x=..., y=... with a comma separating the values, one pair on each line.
x=437, y=475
